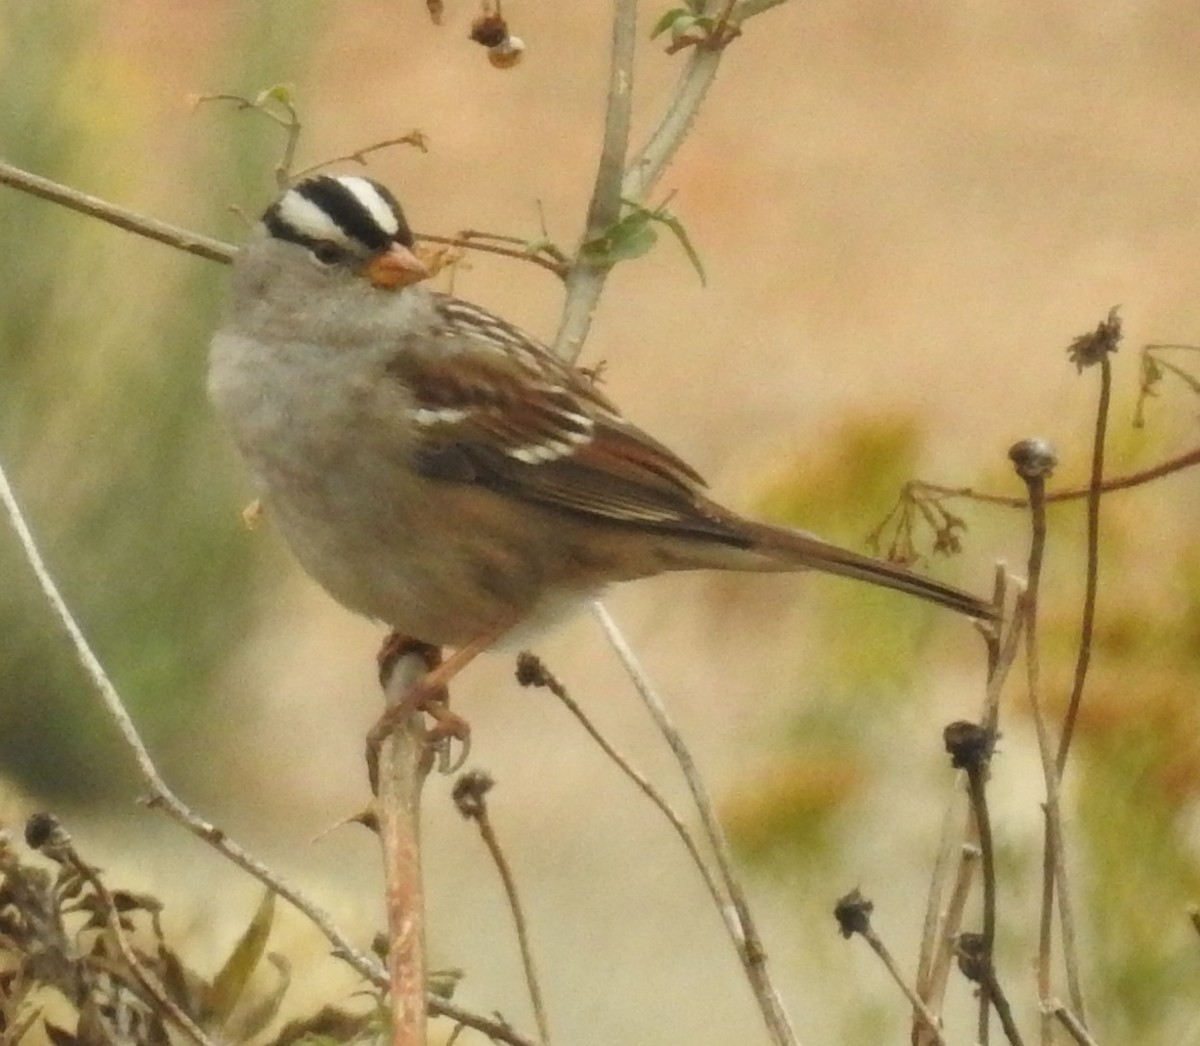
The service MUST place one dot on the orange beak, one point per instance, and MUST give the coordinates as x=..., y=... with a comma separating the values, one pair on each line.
x=395, y=267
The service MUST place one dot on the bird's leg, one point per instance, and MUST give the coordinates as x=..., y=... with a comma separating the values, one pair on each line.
x=427, y=694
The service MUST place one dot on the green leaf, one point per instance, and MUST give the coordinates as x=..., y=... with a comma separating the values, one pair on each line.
x=281, y=93
x=631, y=237
x=230, y=982
x=668, y=21
x=673, y=223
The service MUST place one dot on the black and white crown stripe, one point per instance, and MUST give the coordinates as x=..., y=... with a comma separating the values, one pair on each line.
x=346, y=210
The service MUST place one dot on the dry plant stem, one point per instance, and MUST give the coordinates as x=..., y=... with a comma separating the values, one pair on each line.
x=977, y=790
x=1071, y=1023
x=403, y=765
x=1087, y=626
x=929, y=1022
x=1003, y=1010
x=937, y=943
x=934, y=989
x=1093, y=568
x=488, y=835
x=193, y=243
x=1187, y=459
x=949, y=845
x=147, y=979
x=736, y=914
x=646, y=788
x=494, y=1029
x=1052, y=851
x=518, y=254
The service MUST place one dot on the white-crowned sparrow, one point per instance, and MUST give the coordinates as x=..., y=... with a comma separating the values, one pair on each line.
x=437, y=469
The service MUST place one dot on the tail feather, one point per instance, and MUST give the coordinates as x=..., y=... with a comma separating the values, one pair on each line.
x=786, y=549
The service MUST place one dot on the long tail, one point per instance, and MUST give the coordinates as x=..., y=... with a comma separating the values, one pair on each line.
x=791, y=549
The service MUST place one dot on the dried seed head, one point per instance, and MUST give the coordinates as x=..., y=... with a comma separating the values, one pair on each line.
x=1033, y=458
x=507, y=53
x=853, y=913
x=490, y=30
x=468, y=794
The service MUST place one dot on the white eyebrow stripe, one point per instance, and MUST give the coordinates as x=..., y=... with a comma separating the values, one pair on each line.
x=309, y=220
x=377, y=207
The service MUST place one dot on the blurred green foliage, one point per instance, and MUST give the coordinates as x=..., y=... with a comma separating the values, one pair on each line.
x=105, y=427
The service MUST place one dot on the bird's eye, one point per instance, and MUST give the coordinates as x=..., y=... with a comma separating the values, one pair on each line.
x=327, y=252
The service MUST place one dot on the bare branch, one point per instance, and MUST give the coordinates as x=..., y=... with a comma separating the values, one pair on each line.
x=738, y=920
x=1188, y=459
x=587, y=274
x=1074, y=1026
x=130, y=221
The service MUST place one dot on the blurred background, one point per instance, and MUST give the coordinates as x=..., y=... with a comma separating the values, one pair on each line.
x=905, y=213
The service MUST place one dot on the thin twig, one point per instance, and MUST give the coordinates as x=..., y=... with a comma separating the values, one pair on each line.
x=737, y=917
x=532, y=672
x=491, y=248
x=1034, y=461
x=971, y=745
x=414, y=138
x=928, y=1020
x=1075, y=1028
x=585, y=279
x=1187, y=459
x=470, y=796
x=1003, y=1009
x=1087, y=627
x=205, y=246
x=933, y=988
x=162, y=798
x=493, y=1028
x=1093, y=569
x=937, y=942
x=130, y=221
x=853, y=913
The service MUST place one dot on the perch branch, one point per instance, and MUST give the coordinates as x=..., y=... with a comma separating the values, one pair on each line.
x=403, y=765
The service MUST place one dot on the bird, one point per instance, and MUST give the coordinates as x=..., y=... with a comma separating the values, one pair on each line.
x=437, y=469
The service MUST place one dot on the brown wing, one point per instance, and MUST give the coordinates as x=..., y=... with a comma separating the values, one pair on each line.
x=496, y=408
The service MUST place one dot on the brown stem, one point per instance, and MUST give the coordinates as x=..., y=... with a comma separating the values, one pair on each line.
x=130, y=221
x=531, y=672
x=470, y=796
x=1134, y=479
x=1089, y=599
